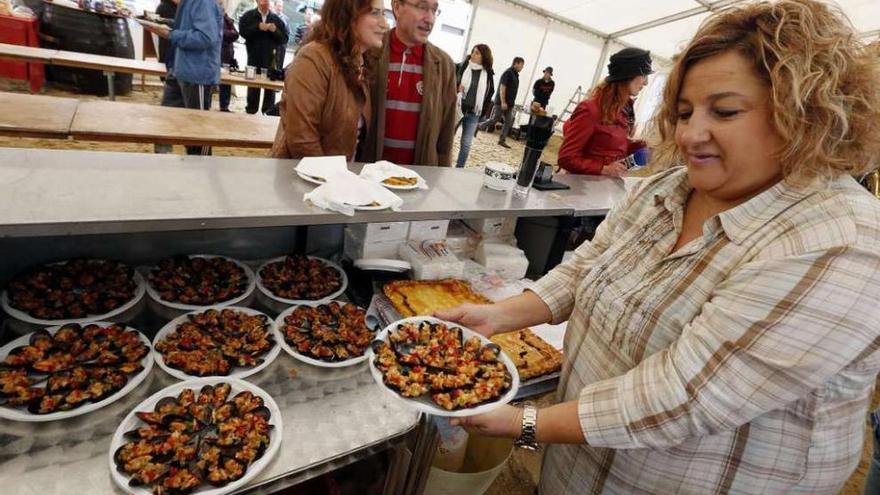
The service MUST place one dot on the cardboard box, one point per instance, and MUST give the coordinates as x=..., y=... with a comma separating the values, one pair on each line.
x=379, y=231
x=356, y=248
x=493, y=228
x=428, y=230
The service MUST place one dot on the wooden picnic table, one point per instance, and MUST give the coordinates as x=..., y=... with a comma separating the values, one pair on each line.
x=36, y=116
x=26, y=53
x=141, y=123
x=112, y=65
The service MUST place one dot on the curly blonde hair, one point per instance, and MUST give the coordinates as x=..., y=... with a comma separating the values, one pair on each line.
x=824, y=84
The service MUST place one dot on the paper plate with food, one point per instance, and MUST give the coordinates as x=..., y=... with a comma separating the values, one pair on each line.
x=393, y=176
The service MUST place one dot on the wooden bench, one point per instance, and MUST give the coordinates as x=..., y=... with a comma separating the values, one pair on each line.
x=141, y=123
x=36, y=116
x=112, y=65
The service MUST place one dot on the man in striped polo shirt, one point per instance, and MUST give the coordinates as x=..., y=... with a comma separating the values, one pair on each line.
x=413, y=92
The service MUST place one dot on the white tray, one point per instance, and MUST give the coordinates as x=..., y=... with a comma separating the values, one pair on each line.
x=170, y=309
x=22, y=316
x=17, y=414
x=279, y=335
x=279, y=304
x=237, y=371
x=131, y=422
x=424, y=403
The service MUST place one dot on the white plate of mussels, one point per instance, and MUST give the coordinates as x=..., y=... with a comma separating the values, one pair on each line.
x=70, y=407
x=204, y=452
x=493, y=382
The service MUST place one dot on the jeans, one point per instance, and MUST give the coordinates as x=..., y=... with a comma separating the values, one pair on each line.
x=468, y=128
x=181, y=94
x=225, y=96
x=499, y=114
x=872, y=480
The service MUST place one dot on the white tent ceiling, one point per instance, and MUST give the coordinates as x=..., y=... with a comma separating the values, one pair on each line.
x=676, y=20
x=577, y=36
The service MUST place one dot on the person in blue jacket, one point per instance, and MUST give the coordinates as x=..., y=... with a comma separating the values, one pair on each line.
x=193, y=60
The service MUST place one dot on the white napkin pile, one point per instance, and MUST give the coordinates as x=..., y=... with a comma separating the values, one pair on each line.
x=345, y=192
x=322, y=167
x=383, y=169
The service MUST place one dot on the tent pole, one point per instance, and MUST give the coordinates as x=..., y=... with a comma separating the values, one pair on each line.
x=467, y=40
x=535, y=67
x=600, y=64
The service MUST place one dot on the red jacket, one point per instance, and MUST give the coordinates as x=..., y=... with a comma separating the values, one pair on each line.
x=588, y=145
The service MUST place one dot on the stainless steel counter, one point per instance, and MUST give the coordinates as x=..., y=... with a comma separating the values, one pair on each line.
x=590, y=195
x=327, y=415
x=55, y=192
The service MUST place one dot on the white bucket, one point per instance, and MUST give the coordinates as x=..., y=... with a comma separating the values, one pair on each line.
x=483, y=461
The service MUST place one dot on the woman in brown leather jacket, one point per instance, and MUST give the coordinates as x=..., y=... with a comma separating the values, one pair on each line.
x=326, y=98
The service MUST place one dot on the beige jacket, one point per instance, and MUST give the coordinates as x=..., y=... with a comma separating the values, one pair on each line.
x=437, y=121
x=319, y=112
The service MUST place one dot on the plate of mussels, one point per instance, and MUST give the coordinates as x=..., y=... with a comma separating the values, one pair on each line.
x=73, y=291
x=328, y=335
x=222, y=341
x=69, y=370
x=209, y=436
x=442, y=368
x=181, y=284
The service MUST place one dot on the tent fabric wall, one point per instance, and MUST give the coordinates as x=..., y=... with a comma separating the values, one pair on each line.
x=573, y=56
x=509, y=32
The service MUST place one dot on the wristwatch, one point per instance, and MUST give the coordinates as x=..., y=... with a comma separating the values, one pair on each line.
x=528, y=438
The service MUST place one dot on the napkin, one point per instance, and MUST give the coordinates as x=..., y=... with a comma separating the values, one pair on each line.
x=322, y=167
x=381, y=170
x=345, y=191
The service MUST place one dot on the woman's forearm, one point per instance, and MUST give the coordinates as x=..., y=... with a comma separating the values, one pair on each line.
x=522, y=311
x=560, y=424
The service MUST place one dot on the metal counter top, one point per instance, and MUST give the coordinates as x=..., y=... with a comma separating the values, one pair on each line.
x=64, y=192
x=327, y=414
x=590, y=195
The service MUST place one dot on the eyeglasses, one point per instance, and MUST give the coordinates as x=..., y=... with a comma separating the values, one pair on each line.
x=423, y=7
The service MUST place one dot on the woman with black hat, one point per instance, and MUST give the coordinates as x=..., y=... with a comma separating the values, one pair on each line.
x=597, y=136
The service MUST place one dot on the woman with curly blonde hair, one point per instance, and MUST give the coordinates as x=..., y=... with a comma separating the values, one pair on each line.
x=722, y=324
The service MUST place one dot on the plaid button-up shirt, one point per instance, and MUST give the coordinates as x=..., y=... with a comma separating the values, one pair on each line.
x=741, y=363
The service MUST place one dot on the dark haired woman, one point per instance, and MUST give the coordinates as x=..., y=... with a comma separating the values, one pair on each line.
x=476, y=85
x=597, y=136
x=326, y=98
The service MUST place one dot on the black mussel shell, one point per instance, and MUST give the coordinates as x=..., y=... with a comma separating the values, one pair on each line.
x=208, y=392
x=34, y=405
x=169, y=402
x=135, y=481
x=69, y=330
x=129, y=435
x=495, y=348
x=130, y=368
x=224, y=412
x=186, y=397
x=221, y=392
x=18, y=350
x=169, y=420
x=116, y=456
x=376, y=345
x=152, y=418
x=263, y=412
x=39, y=335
